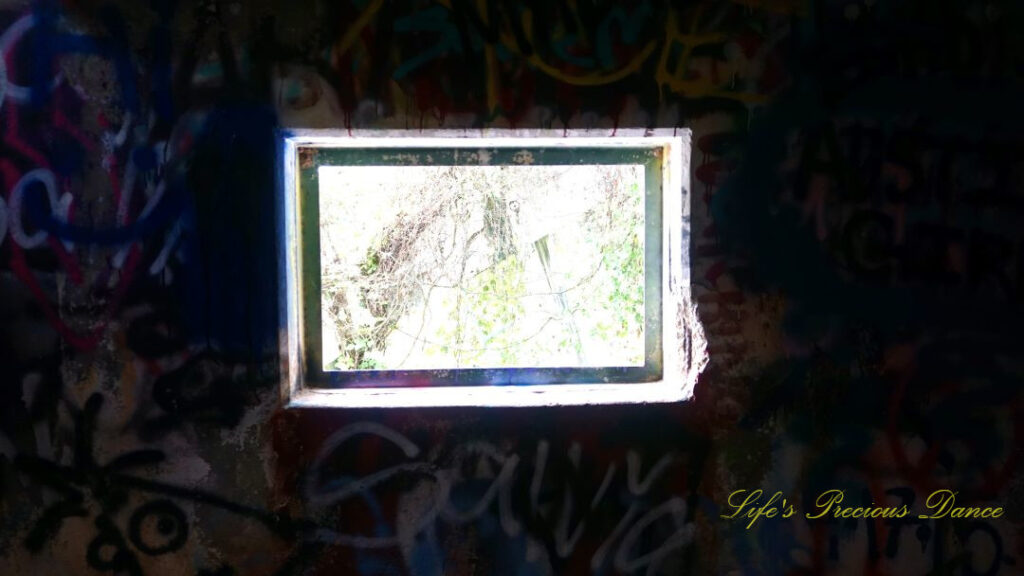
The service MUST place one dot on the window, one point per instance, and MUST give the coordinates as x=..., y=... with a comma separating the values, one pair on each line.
x=508, y=268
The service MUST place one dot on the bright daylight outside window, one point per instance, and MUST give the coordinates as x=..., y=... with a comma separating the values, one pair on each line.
x=512, y=268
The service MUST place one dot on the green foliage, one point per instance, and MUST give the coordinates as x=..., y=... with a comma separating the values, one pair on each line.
x=371, y=263
x=460, y=269
x=618, y=289
x=485, y=321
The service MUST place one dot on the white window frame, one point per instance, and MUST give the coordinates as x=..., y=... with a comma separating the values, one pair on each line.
x=683, y=347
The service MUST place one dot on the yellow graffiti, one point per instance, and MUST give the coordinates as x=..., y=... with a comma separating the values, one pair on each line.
x=676, y=79
x=509, y=42
x=777, y=6
x=356, y=28
x=597, y=79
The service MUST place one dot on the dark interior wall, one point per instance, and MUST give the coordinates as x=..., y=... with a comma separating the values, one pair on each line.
x=858, y=265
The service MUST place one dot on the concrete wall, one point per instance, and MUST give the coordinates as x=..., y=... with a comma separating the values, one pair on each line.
x=858, y=177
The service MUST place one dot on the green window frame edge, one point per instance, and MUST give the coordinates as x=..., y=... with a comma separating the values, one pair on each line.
x=311, y=159
x=683, y=347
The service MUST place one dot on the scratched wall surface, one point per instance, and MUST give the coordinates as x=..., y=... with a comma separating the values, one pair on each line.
x=858, y=177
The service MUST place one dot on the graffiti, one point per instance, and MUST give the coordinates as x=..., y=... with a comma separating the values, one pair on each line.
x=519, y=494
x=858, y=264
x=525, y=500
x=158, y=527
x=677, y=74
x=583, y=53
x=869, y=194
x=49, y=214
x=11, y=36
x=100, y=233
x=61, y=206
x=155, y=526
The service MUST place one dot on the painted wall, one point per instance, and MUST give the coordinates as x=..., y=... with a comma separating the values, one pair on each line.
x=858, y=169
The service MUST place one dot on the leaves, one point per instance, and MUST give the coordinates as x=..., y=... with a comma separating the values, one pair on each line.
x=498, y=267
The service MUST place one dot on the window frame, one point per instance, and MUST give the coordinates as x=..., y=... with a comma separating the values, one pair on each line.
x=667, y=375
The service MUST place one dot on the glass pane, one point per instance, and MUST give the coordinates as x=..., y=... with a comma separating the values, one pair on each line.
x=427, y=267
